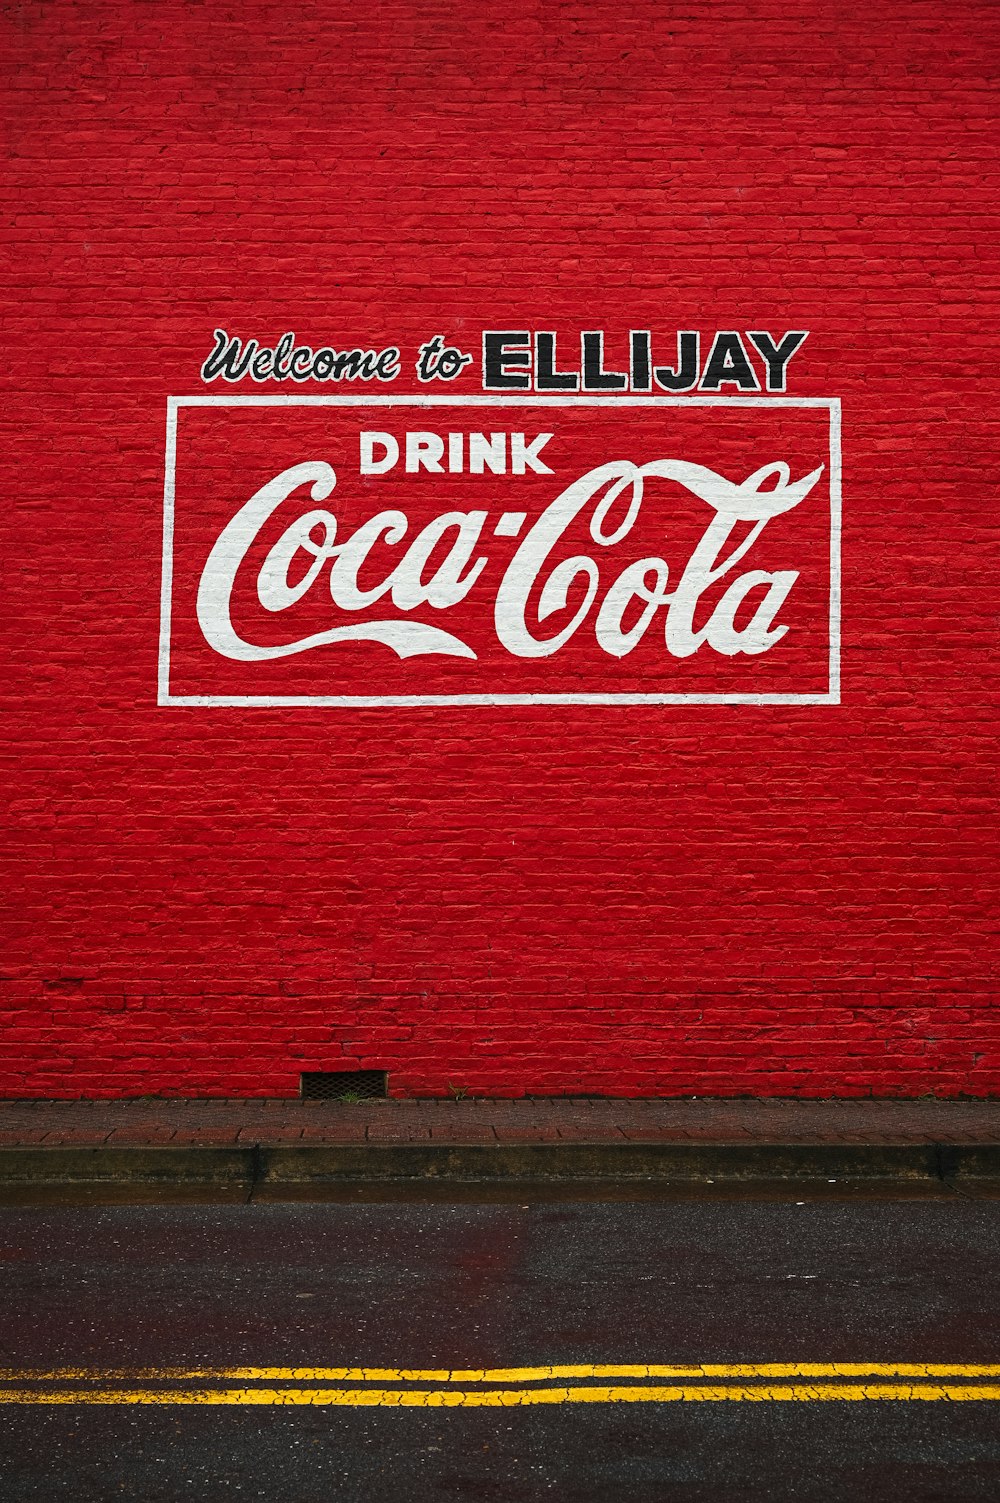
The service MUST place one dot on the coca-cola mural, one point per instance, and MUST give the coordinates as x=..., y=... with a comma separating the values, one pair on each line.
x=439, y=550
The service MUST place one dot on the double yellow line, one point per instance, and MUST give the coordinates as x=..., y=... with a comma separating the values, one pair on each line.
x=504, y=1387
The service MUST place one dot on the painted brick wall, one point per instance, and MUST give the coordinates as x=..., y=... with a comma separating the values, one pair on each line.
x=672, y=899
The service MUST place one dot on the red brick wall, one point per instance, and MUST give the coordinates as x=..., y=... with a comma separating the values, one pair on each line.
x=681, y=898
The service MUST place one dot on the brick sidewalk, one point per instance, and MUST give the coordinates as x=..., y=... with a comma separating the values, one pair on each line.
x=251, y=1123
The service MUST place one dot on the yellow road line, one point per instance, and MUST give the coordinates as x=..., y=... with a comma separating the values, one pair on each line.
x=504, y=1398
x=518, y=1374
x=919, y=1370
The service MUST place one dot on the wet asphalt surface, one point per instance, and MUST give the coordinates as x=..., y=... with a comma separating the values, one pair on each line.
x=486, y=1284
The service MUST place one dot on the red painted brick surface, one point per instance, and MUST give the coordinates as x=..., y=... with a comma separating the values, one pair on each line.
x=702, y=899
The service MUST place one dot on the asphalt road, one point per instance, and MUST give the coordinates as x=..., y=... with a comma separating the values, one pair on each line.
x=404, y=1287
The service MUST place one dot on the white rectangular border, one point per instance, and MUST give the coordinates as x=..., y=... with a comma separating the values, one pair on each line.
x=369, y=701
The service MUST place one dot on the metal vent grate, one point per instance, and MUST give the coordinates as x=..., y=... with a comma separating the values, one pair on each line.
x=344, y=1085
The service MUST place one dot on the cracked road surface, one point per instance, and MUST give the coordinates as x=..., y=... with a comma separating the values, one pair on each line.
x=675, y=1349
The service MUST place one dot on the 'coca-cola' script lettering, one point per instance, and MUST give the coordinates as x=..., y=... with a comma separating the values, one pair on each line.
x=607, y=585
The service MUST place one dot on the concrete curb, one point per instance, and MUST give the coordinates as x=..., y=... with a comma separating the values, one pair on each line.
x=143, y=1165
x=262, y=1165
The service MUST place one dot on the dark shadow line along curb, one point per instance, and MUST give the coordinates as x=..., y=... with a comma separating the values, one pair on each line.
x=263, y=1164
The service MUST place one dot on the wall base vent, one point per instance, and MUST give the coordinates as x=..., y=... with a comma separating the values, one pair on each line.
x=344, y=1085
